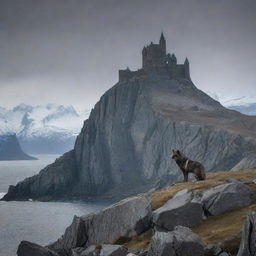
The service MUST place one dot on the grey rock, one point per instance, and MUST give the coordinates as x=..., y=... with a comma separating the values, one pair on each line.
x=232, y=180
x=212, y=250
x=143, y=253
x=248, y=240
x=50, y=183
x=30, y=249
x=225, y=197
x=113, y=250
x=90, y=251
x=179, y=210
x=180, y=241
x=127, y=218
x=224, y=254
x=101, y=250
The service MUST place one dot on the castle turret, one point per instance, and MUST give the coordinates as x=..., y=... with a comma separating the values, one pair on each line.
x=154, y=55
x=162, y=43
x=186, y=69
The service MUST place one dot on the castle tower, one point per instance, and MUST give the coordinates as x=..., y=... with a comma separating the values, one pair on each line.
x=162, y=43
x=154, y=55
x=186, y=69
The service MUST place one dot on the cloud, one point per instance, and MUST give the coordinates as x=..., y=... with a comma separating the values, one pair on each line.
x=70, y=51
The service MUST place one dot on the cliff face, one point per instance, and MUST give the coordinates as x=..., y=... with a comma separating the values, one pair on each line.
x=10, y=149
x=124, y=146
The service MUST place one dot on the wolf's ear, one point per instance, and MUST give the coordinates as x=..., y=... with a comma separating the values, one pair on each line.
x=178, y=152
x=173, y=151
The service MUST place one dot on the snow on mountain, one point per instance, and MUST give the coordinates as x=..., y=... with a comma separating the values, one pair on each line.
x=248, y=109
x=53, y=126
x=245, y=105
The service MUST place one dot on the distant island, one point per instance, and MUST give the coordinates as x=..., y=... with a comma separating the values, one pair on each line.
x=10, y=149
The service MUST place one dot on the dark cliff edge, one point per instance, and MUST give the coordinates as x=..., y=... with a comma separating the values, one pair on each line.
x=124, y=146
x=10, y=149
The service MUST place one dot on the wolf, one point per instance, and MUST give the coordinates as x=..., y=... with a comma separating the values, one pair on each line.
x=188, y=166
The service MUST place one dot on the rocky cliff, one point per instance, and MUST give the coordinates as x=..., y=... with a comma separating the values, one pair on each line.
x=10, y=149
x=124, y=146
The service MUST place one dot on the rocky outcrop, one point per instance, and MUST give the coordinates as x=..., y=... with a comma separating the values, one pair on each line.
x=127, y=218
x=113, y=250
x=225, y=197
x=248, y=241
x=10, y=149
x=51, y=182
x=124, y=146
x=30, y=249
x=179, y=210
x=180, y=241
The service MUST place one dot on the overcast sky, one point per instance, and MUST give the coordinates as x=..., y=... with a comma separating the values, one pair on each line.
x=69, y=51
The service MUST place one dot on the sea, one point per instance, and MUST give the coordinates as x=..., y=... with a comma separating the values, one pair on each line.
x=38, y=222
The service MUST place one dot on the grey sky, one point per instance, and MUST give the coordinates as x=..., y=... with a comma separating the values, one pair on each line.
x=69, y=52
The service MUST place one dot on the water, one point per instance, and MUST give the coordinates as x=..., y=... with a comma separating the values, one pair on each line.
x=39, y=222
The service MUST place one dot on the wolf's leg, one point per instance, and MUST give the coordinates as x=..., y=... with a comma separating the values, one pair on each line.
x=185, y=176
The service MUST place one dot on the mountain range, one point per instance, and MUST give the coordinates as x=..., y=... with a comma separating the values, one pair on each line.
x=246, y=108
x=41, y=129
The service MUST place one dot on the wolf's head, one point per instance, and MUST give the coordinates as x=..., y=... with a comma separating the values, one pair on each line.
x=176, y=155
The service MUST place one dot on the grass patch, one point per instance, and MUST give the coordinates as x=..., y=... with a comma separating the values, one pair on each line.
x=160, y=197
x=140, y=242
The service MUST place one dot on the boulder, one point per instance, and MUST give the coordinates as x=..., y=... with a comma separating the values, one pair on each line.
x=181, y=241
x=179, y=210
x=113, y=250
x=30, y=249
x=126, y=218
x=248, y=241
x=225, y=197
x=143, y=253
x=81, y=251
x=101, y=250
x=212, y=250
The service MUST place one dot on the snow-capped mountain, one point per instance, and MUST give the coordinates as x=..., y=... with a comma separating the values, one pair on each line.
x=249, y=109
x=245, y=105
x=44, y=128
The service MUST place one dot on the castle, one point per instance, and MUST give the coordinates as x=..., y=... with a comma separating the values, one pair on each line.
x=156, y=61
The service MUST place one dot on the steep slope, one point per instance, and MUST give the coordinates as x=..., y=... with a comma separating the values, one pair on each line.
x=44, y=128
x=124, y=146
x=10, y=149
